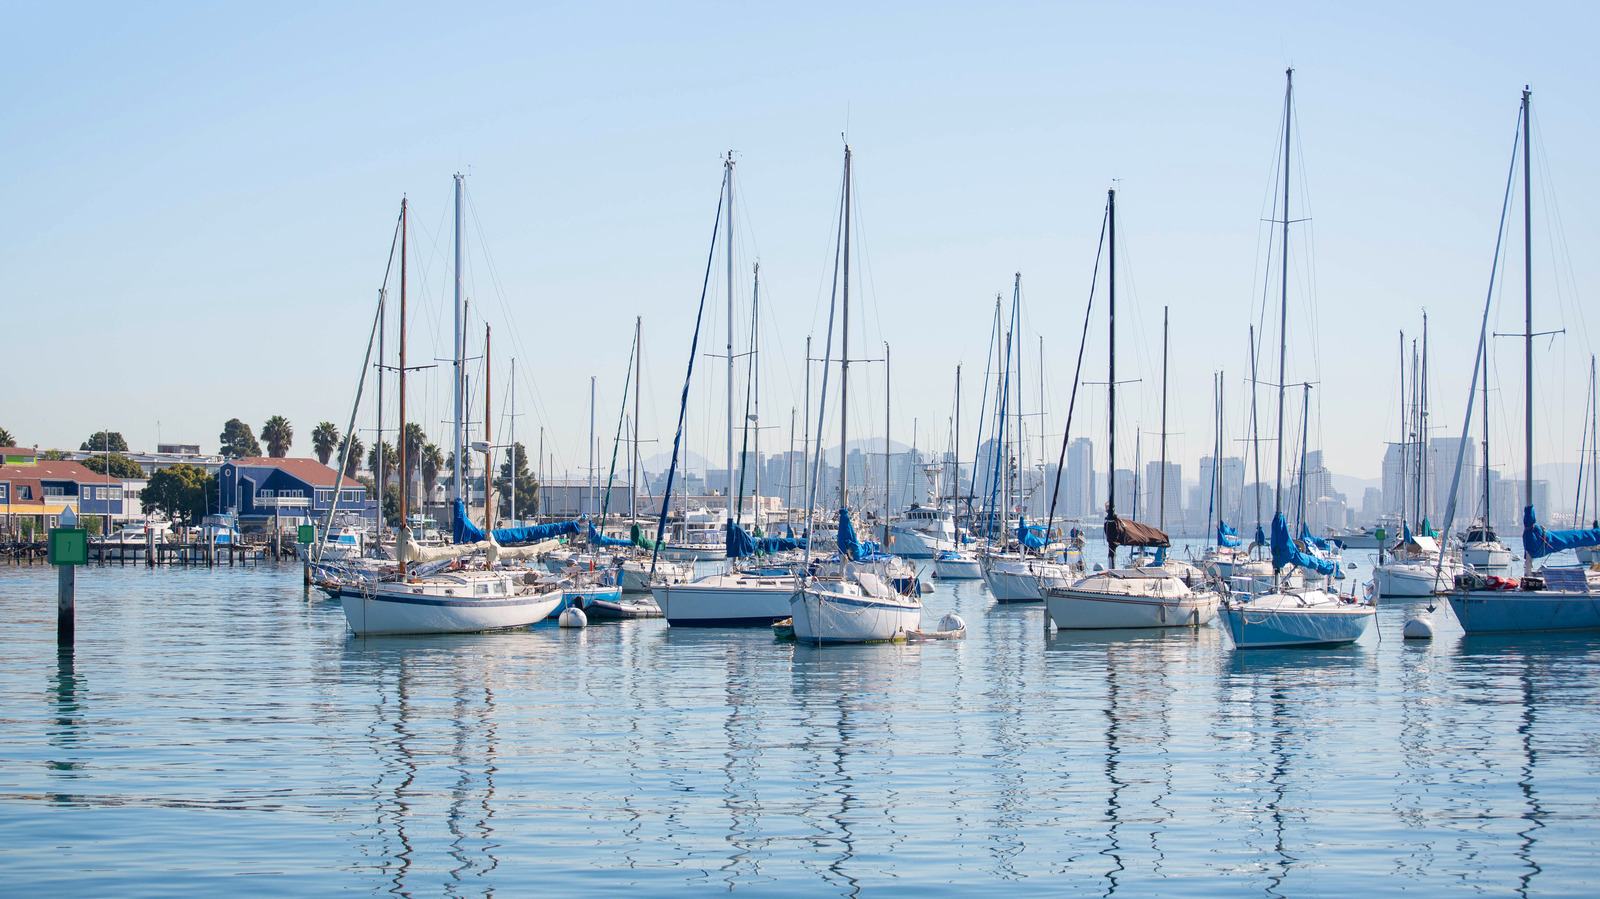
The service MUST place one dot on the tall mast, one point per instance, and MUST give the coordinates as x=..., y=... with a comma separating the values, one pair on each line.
x=1527, y=315
x=1594, y=451
x=728, y=168
x=1161, y=497
x=634, y=469
x=1215, y=501
x=1424, y=495
x=516, y=454
x=592, y=508
x=1283, y=310
x=955, y=455
x=459, y=351
x=488, y=439
x=1111, y=367
x=1305, y=441
x=844, y=350
x=1255, y=425
x=886, y=489
x=805, y=443
x=755, y=376
x=1405, y=433
x=382, y=359
x=401, y=533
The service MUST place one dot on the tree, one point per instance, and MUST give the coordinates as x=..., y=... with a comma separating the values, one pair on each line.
x=278, y=435
x=352, y=462
x=6, y=439
x=432, y=461
x=391, y=505
x=415, y=441
x=121, y=466
x=181, y=492
x=527, y=486
x=390, y=460
x=324, y=440
x=53, y=455
x=238, y=441
x=105, y=442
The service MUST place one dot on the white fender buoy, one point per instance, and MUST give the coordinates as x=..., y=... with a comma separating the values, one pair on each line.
x=951, y=622
x=572, y=616
x=1419, y=628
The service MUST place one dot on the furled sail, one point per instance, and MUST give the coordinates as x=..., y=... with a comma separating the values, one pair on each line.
x=739, y=542
x=850, y=546
x=464, y=531
x=1539, y=542
x=1227, y=536
x=598, y=539
x=1033, y=537
x=1121, y=532
x=1284, y=552
x=1308, y=539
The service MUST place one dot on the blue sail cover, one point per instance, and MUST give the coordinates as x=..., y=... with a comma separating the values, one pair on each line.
x=850, y=546
x=1284, y=552
x=1227, y=536
x=1538, y=542
x=598, y=539
x=462, y=530
x=1261, y=539
x=739, y=543
x=1405, y=532
x=1031, y=537
x=1306, y=536
x=779, y=544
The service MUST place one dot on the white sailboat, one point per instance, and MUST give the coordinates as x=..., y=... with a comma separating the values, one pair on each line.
x=1284, y=616
x=1551, y=599
x=1145, y=596
x=459, y=601
x=858, y=607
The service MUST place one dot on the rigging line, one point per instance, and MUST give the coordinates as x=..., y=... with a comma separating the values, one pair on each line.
x=983, y=423
x=1478, y=357
x=622, y=415
x=827, y=358
x=688, y=378
x=1077, y=372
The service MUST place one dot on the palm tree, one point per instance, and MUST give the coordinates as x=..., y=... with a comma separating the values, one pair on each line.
x=352, y=462
x=382, y=450
x=279, y=436
x=6, y=439
x=325, y=439
x=432, y=462
x=415, y=440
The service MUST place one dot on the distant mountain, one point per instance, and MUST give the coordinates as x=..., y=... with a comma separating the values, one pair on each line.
x=1354, y=488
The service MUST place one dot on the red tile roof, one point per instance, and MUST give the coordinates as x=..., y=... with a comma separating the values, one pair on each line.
x=56, y=470
x=309, y=470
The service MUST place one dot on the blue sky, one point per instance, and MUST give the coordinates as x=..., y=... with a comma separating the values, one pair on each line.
x=200, y=201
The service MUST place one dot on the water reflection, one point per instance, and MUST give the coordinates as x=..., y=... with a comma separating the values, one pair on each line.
x=66, y=733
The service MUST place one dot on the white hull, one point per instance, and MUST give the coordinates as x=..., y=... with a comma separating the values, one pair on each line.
x=636, y=575
x=913, y=544
x=726, y=601
x=694, y=553
x=1488, y=558
x=1278, y=621
x=1013, y=586
x=846, y=615
x=1075, y=609
x=1413, y=579
x=395, y=609
x=958, y=570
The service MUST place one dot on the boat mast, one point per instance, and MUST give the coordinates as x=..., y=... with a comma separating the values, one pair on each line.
x=1424, y=495
x=592, y=507
x=844, y=350
x=886, y=488
x=728, y=168
x=382, y=358
x=805, y=445
x=1283, y=309
x=1305, y=440
x=955, y=454
x=1111, y=369
x=755, y=376
x=1161, y=498
x=401, y=534
x=1487, y=527
x=634, y=469
x=1527, y=316
x=1594, y=451
x=460, y=350
x=488, y=441
x=516, y=452
x=1215, y=500
x=1255, y=426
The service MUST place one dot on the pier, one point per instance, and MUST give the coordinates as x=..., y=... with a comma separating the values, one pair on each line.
x=196, y=553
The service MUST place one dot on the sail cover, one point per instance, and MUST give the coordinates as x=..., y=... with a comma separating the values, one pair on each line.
x=1121, y=532
x=1309, y=540
x=637, y=538
x=1284, y=552
x=598, y=539
x=1538, y=542
x=1032, y=537
x=1227, y=536
x=850, y=546
x=464, y=531
x=739, y=543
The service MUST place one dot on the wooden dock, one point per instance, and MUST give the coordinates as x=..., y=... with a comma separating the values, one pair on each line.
x=104, y=553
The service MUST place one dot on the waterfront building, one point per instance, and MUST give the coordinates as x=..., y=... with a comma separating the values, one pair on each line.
x=34, y=492
x=270, y=494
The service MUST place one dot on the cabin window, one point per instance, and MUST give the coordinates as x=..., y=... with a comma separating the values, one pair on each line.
x=482, y=589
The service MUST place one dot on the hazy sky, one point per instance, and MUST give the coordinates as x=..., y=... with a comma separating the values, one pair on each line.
x=200, y=201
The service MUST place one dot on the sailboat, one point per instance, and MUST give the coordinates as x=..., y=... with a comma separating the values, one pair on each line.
x=1130, y=597
x=1590, y=555
x=857, y=606
x=1482, y=550
x=458, y=601
x=737, y=597
x=1418, y=565
x=1287, y=616
x=1554, y=599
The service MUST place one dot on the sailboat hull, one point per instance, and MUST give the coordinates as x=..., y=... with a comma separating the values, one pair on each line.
x=1076, y=609
x=700, y=604
x=823, y=616
x=1254, y=626
x=1413, y=579
x=1512, y=612
x=386, y=612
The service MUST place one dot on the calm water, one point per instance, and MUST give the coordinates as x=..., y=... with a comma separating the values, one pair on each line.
x=221, y=731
